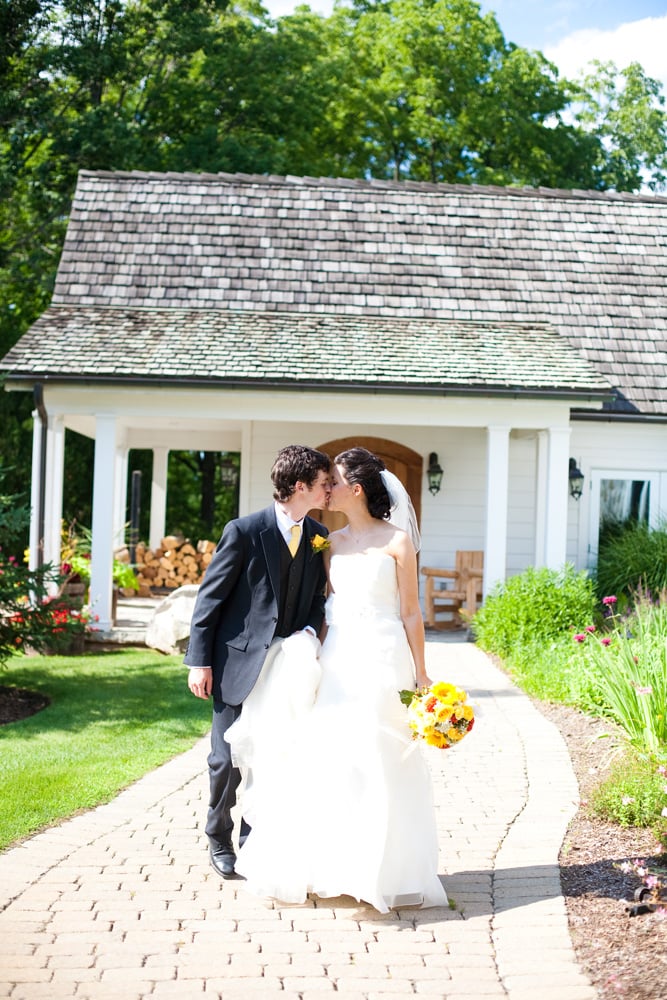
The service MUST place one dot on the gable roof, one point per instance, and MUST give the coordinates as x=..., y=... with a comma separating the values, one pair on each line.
x=594, y=266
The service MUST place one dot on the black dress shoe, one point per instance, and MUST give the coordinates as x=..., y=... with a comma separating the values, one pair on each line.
x=222, y=858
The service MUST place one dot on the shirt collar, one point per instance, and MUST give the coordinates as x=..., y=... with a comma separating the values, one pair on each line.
x=284, y=521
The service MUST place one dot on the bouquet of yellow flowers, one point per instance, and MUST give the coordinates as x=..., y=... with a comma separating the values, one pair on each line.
x=440, y=715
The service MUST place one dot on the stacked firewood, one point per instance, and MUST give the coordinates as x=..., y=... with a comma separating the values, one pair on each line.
x=175, y=563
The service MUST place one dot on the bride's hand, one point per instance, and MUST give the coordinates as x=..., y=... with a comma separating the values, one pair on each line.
x=423, y=680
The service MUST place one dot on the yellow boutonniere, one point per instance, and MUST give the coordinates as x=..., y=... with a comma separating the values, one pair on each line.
x=319, y=543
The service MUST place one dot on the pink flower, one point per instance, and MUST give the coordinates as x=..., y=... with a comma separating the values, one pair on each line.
x=580, y=637
x=609, y=600
x=590, y=628
x=606, y=641
x=642, y=690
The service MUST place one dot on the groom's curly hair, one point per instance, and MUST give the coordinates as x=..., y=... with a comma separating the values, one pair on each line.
x=296, y=463
x=363, y=467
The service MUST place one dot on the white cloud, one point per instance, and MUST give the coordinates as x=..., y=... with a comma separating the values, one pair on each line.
x=643, y=41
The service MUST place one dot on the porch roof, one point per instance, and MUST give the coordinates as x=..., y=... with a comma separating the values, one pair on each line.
x=288, y=349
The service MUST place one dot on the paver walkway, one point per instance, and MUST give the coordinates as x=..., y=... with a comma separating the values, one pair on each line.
x=120, y=902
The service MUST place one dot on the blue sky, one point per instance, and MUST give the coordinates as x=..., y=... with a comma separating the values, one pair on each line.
x=537, y=25
x=571, y=32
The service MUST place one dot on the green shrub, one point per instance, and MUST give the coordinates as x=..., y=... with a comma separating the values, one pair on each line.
x=538, y=605
x=552, y=671
x=631, y=557
x=633, y=794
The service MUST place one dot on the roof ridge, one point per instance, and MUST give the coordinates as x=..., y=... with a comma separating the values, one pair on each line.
x=370, y=184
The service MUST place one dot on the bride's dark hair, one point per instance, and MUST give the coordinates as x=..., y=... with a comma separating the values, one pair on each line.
x=363, y=467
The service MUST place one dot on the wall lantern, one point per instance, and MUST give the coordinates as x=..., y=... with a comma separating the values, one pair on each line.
x=434, y=474
x=229, y=473
x=576, y=478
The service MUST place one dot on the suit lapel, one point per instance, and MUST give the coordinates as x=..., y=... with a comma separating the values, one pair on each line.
x=270, y=539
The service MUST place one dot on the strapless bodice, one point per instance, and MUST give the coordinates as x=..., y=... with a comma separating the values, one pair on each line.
x=364, y=586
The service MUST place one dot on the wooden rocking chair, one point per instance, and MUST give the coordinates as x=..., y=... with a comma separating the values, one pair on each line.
x=448, y=591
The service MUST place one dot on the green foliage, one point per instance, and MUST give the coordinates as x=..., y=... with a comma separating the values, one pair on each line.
x=112, y=718
x=199, y=502
x=552, y=671
x=75, y=555
x=633, y=794
x=537, y=605
x=30, y=613
x=627, y=664
x=631, y=557
x=624, y=111
x=615, y=666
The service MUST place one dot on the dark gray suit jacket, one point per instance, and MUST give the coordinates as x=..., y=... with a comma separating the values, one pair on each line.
x=236, y=611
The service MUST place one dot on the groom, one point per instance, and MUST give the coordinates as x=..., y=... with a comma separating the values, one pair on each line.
x=265, y=581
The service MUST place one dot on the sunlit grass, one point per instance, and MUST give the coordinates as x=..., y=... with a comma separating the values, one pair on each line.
x=113, y=717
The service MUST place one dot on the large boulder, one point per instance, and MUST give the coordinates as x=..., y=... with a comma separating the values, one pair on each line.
x=169, y=629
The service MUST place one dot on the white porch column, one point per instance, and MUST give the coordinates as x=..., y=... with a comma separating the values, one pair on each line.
x=120, y=497
x=555, y=540
x=103, y=519
x=541, y=497
x=247, y=436
x=497, y=483
x=158, y=497
x=35, y=486
x=55, y=461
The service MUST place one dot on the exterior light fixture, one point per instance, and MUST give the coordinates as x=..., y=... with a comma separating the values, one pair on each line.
x=576, y=478
x=434, y=474
x=229, y=473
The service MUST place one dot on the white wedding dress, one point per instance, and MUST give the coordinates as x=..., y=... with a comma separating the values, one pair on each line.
x=337, y=793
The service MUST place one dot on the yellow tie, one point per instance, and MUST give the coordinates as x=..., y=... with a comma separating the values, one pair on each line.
x=293, y=544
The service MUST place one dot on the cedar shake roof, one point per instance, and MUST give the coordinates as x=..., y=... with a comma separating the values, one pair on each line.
x=399, y=283
x=243, y=347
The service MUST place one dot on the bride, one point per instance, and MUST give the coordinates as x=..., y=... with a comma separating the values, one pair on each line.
x=337, y=794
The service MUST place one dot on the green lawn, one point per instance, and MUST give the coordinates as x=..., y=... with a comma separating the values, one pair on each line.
x=113, y=717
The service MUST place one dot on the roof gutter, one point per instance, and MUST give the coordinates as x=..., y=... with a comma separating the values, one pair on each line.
x=620, y=416
x=511, y=392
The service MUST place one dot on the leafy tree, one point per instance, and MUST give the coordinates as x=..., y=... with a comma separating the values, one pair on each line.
x=624, y=112
x=432, y=91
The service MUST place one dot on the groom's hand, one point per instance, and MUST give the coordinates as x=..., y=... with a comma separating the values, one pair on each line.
x=200, y=681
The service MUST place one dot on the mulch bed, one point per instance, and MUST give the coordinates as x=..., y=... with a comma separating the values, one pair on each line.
x=19, y=703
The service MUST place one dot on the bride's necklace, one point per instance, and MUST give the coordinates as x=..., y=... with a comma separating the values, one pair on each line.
x=359, y=536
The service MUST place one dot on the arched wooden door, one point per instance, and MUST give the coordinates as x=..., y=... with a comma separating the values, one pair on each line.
x=403, y=462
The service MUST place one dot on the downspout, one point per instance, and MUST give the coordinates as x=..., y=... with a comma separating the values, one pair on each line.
x=38, y=399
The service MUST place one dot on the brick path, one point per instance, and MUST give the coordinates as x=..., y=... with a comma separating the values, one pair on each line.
x=120, y=902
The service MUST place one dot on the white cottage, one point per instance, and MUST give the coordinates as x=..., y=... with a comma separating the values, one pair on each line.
x=508, y=331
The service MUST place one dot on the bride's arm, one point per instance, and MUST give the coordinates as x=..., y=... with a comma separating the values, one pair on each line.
x=327, y=562
x=404, y=553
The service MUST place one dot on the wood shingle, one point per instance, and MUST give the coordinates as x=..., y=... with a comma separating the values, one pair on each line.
x=432, y=284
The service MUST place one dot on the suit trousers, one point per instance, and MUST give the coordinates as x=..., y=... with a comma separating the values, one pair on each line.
x=224, y=778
